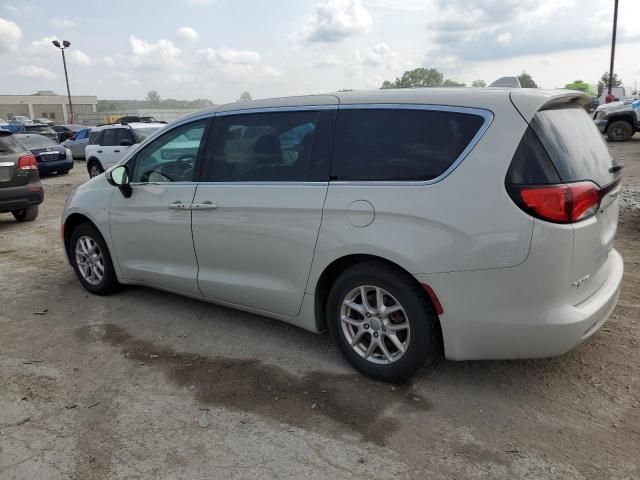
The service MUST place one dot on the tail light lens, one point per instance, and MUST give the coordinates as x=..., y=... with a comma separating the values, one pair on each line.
x=27, y=162
x=562, y=203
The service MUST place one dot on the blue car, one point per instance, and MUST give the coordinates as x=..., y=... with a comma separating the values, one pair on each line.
x=13, y=127
x=51, y=157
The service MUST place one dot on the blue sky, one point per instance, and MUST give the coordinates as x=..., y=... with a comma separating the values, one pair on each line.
x=217, y=49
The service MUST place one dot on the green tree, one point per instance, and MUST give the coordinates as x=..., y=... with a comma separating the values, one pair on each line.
x=479, y=83
x=153, y=96
x=416, y=78
x=526, y=81
x=451, y=83
x=245, y=97
x=603, y=83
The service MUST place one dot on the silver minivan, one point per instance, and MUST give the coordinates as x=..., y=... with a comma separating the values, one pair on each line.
x=475, y=222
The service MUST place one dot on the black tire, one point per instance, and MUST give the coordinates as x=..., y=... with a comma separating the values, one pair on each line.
x=109, y=282
x=26, y=214
x=63, y=172
x=423, y=344
x=94, y=168
x=619, y=131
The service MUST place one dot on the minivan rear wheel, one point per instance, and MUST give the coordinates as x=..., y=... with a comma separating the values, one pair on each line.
x=619, y=131
x=91, y=260
x=382, y=321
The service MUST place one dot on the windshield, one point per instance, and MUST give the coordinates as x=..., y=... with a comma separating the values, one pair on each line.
x=575, y=145
x=36, y=141
x=143, y=133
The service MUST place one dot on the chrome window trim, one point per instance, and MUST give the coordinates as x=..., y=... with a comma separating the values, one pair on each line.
x=487, y=115
x=256, y=183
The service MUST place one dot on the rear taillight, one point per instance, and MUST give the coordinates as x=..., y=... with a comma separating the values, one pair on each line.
x=27, y=162
x=562, y=203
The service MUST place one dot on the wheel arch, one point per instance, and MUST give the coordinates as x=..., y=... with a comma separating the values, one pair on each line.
x=91, y=160
x=337, y=267
x=621, y=116
x=70, y=224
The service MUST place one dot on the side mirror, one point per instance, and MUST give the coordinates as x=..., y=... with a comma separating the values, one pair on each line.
x=126, y=143
x=119, y=176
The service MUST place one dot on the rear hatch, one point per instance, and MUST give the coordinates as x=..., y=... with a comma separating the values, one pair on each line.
x=579, y=154
x=568, y=163
x=10, y=152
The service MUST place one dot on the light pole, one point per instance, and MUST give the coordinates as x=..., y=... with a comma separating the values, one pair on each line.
x=613, y=45
x=65, y=44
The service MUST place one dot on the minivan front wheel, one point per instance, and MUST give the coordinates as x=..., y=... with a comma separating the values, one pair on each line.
x=91, y=260
x=382, y=321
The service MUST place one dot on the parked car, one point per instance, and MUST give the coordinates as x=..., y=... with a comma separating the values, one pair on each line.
x=44, y=130
x=618, y=120
x=50, y=156
x=20, y=189
x=13, y=127
x=78, y=143
x=67, y=131
x=44, y=121
x=108, y=144
x=479, y=220
x=21, y=119
x=137, y=119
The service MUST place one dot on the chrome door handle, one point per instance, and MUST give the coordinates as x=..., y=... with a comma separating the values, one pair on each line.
x=204, y=206
x=179, y=206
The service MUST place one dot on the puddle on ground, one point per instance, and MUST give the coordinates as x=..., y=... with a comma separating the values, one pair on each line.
x=269, y=391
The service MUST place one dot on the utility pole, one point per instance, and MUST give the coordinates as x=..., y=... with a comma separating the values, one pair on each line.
x=66, y=44
x=613, y=44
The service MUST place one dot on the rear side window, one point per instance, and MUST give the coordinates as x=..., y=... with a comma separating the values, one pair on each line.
x=8, y=145
x=95, y=138
x=574, y=145
x=403, y=144
x=109, y=138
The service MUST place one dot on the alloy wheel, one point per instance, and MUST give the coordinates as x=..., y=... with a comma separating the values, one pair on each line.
x=375, y=324
x=89, y=260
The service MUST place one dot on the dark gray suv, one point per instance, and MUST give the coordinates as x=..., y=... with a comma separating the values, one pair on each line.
x=20, y=188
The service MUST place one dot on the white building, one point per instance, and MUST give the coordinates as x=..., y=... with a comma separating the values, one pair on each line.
x=46, y=104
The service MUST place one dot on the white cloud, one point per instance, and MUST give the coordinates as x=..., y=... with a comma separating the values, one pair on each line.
x=34, y=71
x=108, y=61
x=42, y=47
x=10, y=36
x=336, y=20
x=504, y=38
x=327, y=61
x=162, y=54
x=61, y=23
x=188, y=33
x=380, y=54
x=230, y=56
x=81, y=58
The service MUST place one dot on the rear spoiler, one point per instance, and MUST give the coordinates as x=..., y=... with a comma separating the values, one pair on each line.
x=529, y=102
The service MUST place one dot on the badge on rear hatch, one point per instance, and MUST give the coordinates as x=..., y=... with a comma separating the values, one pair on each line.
x=578, y=283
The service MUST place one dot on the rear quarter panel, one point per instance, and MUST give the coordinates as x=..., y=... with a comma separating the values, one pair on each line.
x=466, y=221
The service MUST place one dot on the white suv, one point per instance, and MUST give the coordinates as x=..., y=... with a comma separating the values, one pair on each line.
x=480, y=221
x=108, y=144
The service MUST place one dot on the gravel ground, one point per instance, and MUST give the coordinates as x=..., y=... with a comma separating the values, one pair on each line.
x=144, y=384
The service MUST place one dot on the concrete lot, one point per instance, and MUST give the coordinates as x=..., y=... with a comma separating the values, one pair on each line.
x=144, y=384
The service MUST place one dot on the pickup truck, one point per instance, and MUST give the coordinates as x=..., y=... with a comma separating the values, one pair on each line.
x=618, y=120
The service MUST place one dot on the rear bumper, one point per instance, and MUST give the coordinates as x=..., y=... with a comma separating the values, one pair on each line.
x=490, y=314
x=55, y=166
x=17, y=198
